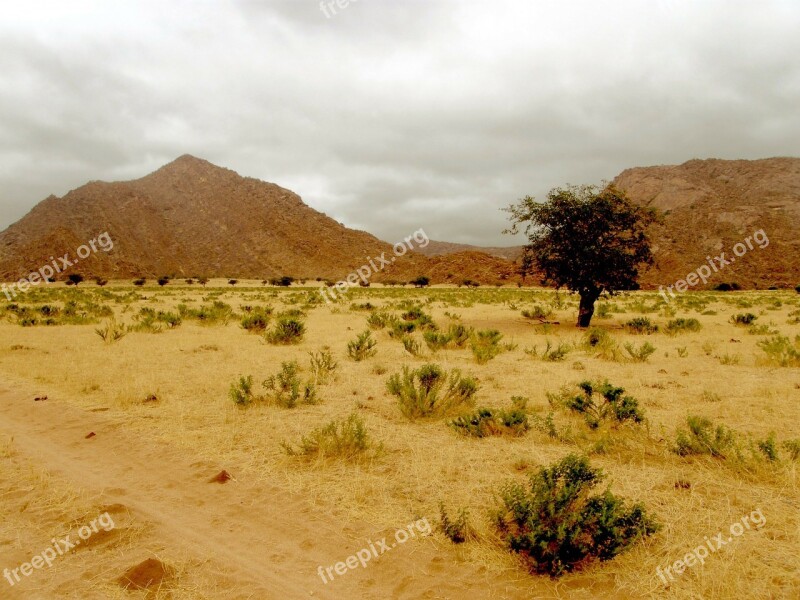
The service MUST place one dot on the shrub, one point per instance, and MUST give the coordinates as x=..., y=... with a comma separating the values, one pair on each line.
x=681, y=325
x=551, y=353
x=486, y=422
x=459, y=335
x=743, y=319
x=557, y=526
x=288, y=330
x=362, y=347
x=345, y=440
x=599, y=402
x=111, y=332
x=411, y=345
x=797, y=289
x=769, y=447
x=436, y=341
x=640, y=354
x=793, y=448
x=241, y=392
x=286, y=388
x=139, y=282
x=485, y=345
x=256, y=320
x=701, y=437
x=378, y=320
x=539, y=313
x=458, y=530
x=430, y=391
x=641, y=326
x=600, y=343
x=322, y=366
x=420, y=282
x=216, y=312
x=781, y=352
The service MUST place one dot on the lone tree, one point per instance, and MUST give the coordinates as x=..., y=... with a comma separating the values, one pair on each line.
x=589, y=240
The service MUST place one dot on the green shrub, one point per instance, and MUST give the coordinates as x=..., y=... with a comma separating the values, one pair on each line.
x=459, y=335
x=681, y=325
x=241, y=392
x=539, y=313
x=288, y=330
x=323, y=366
x=781, y=352
x=286, y=388
x=793, y=448
x=600, y=343
x=769, y=447
x=485, y=345
x=362, y=347
x=701, y=437
x=743, y=319
x=430, y=391
x=598, y=402
x=217, y=312
x=486, y=422
x=257, y=319
x=640, y=354
x=458, y=530
x=557, y=526
x=111, y=332
x=435, y=340
x=551, y=353
x=411, y=345
x=641, y=326
x=347, y=439
x=378, y=320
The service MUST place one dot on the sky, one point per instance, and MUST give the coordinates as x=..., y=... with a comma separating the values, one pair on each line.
x=392, y=115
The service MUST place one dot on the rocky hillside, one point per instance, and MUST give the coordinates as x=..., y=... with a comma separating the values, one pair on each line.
x=193, y=218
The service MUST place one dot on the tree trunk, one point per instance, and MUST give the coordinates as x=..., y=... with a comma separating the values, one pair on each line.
x=586, y=308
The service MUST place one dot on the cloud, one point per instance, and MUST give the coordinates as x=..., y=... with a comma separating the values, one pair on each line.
x=390, y=116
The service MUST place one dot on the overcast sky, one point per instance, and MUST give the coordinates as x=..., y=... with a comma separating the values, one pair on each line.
x=391, y=115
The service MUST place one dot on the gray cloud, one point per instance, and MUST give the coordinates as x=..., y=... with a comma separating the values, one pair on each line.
x=392, y=115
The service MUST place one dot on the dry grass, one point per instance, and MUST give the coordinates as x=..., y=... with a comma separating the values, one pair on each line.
x=190, y=369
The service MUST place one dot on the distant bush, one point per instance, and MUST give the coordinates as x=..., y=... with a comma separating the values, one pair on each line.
x=557, y=526
x=599, y=342
x=215, y=313
x=485, y=345
x=781, y=352
x=641, y=326
x=701, y=437
x=139, y=282
x=323, y=366
x=640, y=354
x=362, y=347
x=743, y=319
x=550, y=353
x=727, y=287
x=598, y=402
x=486, y=422
x=420, y=282
x=111, y=332
x=681, y=325
x=257, y=319
x=288, y=330
x=286, y=388
x=344, y=440
x=241, y=391
x=282, y=281
x=430, y=391
x=537, y=312
x=378, y=320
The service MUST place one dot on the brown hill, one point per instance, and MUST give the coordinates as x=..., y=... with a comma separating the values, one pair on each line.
x=435, y=248
x=710, y=206
x=193, y=218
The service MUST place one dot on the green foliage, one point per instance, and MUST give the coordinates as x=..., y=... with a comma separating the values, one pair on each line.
x=345, y=439
x=362, y=347
x=287, y=390
x=420, y=281
x=701, y=437
x=640, y=354
x=457, y=530
x=288, y=330
x=485, y=345
x=551, y=353
x=769, y=447
x=378, y=320
x=587, y=239
x=743, y=319
x=323, y=366
x=257, y=319
x=598, y=402
x=681, y=325
x=600, y=343
x=781, y=352
x=793, y=448
x=556, y=525
x=215, y=313
x=641, y=326
x=539, y=313
x=486, y=422
x=111, y=332
x=411, y=345
x=241, y=392
x=430, y=391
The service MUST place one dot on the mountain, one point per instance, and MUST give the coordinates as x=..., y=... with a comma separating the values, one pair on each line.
x=435, y=248
x=709, y=206
x=192, y=218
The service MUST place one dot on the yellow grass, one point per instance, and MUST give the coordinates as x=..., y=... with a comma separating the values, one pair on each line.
x=191, y=368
